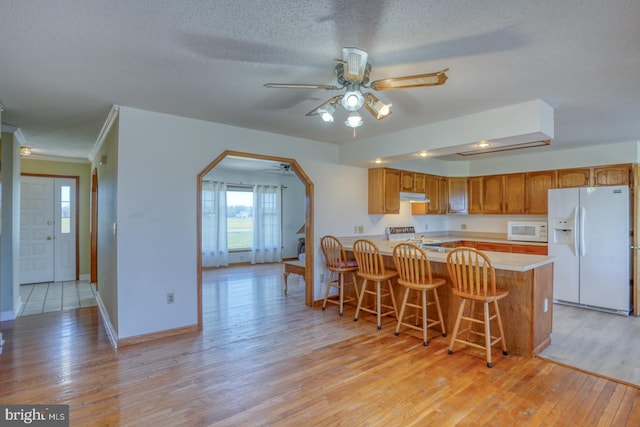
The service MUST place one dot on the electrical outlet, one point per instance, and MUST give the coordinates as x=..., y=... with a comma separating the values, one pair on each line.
x=171, y=298
x=463, y=226
x=361, y=229
x=355, y=229
x=321, y=277
x=426, y=227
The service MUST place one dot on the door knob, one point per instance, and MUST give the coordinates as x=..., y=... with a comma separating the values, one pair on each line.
x=48, y=237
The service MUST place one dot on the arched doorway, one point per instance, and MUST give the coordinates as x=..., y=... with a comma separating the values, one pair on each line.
x=308, y=185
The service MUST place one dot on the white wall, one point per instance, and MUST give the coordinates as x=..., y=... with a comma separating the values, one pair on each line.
x=160, y=157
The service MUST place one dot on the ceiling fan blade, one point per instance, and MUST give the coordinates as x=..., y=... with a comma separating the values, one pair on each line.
x=419, y=80
x=301, y=86
x=333, y=100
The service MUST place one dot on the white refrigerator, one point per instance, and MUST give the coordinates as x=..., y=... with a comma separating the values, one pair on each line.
x=590, y=238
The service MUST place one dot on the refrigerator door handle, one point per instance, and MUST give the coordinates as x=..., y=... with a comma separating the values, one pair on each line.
x=574, y=230
x=583, y=219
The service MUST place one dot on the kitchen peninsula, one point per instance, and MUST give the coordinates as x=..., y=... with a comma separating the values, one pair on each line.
x=526, y=312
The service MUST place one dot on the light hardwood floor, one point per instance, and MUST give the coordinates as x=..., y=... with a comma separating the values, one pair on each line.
x=603, y=343
x=265, y=359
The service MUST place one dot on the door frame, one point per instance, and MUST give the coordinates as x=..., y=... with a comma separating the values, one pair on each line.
x=93, y=224
x=77, y=210
x=309, y=242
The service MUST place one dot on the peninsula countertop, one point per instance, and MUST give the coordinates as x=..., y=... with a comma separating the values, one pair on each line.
x=500, y=260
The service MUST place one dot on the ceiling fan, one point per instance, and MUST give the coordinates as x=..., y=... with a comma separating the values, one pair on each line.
x=278, y=169
x=352, y=72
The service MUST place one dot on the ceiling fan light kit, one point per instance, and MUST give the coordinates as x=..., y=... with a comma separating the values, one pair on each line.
x=354, y=120
x=352, y=74
x=326, y=112
x=377, y=108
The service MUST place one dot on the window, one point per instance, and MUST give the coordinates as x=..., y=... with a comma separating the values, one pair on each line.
x=239, y=218
x=65, y=209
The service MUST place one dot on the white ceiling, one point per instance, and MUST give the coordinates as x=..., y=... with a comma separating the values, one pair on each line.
x=64, y=63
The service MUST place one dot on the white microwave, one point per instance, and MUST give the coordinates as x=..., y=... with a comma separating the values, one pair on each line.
x=527, y=231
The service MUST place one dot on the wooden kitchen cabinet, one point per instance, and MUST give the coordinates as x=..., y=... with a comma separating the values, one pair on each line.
x=413, y=182
x=492, y=195
x=495, y=247
x=457, y=195
x=475, y=195
x=515, y=190
x=384, y=191
x=419, y=182
x=529, y=249
x=537, y=185
x=406, y=181
x=443, y=195
x=435, y=191
x=574, y=177
x=612, y=175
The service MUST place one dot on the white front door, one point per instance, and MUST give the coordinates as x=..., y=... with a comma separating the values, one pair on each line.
x=47, y=229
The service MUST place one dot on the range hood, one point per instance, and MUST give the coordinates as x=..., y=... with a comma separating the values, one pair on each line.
x=413, y=197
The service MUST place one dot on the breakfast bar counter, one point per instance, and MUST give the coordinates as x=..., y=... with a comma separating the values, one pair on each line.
x=526, y=312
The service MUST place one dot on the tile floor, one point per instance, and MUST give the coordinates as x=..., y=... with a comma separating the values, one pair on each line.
x=56, y=296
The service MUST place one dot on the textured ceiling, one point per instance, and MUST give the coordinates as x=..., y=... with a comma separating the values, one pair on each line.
x=64, y=63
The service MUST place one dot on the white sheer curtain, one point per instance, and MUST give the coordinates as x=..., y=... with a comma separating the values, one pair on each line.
x=215, y=252
x=267, y=216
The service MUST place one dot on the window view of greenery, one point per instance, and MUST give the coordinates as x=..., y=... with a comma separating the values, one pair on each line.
x=239, y=219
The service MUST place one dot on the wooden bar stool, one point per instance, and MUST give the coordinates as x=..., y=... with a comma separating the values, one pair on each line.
x=371, y=269
x=414, y=273
x=338, y=265
x=473, y=279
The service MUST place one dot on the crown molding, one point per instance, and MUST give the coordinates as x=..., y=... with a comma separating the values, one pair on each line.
x=111, y=118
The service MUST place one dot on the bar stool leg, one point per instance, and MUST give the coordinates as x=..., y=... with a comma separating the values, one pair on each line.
x=326, y=293
x=425, y=320
x=456, y=326
x=504, y=344
x=402, y=310
x=442, y=327
x=378, y=304
x=487, y=333
x=360, y=298
x=341, y=291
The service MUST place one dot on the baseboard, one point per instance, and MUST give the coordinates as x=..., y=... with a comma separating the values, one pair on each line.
x=106, y=321
x=7, y=315
x=85, y=277
x=12, y=314
x=157, y=335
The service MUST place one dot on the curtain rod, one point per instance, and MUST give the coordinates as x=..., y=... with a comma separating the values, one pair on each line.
x=240, y=184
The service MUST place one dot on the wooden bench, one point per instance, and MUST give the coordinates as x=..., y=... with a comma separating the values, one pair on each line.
x=292, y=267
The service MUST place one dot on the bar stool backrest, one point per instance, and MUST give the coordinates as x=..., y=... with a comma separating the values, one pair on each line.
x=412, y=264
x=471, y=273
x=369, y=258
x=334, y=254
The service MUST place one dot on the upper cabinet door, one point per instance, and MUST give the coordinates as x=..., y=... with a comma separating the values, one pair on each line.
x=515, y=193
x=574, y=177
x=493, y=194
x=406, y=181
x=612, y=175
x=457, y=195
x=475, y=195
x=419, y=182
x=384, y=191
x=537, y=185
